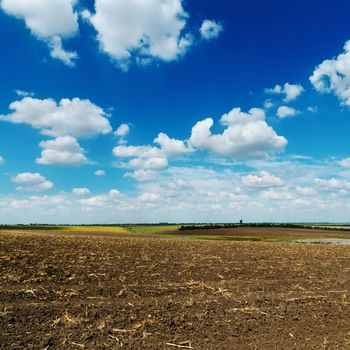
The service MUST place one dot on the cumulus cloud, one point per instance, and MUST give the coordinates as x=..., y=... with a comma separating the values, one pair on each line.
x=332, y=184
x=95, y=201
x=128, y=31
x=305, y=191
x=286, y=111
x=247, y=135
x=185, y=194
x=171, y=147
x=81, y=191
x=177, y=184
x=333, y=76
x=137, y=151
x=122, y=130
x=49, y=21
x=290, y=91
x=58, y=52
x=45, y=18
x=2, y=160
x=263, y=179
x=64, y=150
x=100, y=172
x=39, y=204
x=268, y=104
x=76, y=117
x=114, y=193
x=210, y=29
x=345, y=162
x=277, y=194
x=106, y=200
x=31, y=182
x=149, y=157
x=140, y=30
x=149, y=197
x=121, y=133
x=142, y=175
x=154, y=163
x=144, y=157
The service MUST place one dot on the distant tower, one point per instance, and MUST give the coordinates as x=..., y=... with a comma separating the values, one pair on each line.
x=241, y=221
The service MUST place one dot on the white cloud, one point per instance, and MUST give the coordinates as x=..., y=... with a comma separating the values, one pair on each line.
x=149, y=197
x=44, y=18
x=100, y=172
x=95, y=201
x=286, y=111
x=49, y=21
x=275, y=194
x=122, y=130
x=23, y=93
x=114, y=193
x=85, y=15
x=300, y=202
x=305, y=191
x=149, y=157
x=76, y=117
x=140, y=30
x=137, y=151
x=64, y=150
x=210, y=29
x=154, y=163
x=263, y=179
x=81, y=191
x=332, y=184
x=345, y=162
x=246, y=135
x=2, y=160
x=187, y=194
x=276, y=90
x=333, y=76
x=31, y=182
x=121, y=133
x=144, y=157
x=142, y=175
x=58, y=52
x=171, y=147
x=177, y=184
x=299, y=157
x=268, y=104
x=36, y=202
x=312, y=109
x=107, y=200
x=28, y=178
x=290, y=91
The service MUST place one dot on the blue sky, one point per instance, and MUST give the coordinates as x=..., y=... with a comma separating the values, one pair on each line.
x=116, y=111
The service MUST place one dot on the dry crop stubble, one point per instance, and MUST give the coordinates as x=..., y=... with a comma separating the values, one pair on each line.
x=135, y=293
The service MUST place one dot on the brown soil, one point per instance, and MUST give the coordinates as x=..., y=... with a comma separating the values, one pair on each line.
x=273, y=232
x=66, y=292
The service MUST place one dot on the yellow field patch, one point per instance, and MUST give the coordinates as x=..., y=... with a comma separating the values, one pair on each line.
x=114, y=229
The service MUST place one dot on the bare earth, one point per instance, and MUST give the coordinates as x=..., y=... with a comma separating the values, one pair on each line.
x=89, y=292
x=266, y=232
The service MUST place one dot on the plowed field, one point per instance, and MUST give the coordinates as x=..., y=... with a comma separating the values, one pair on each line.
x=114, y=292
